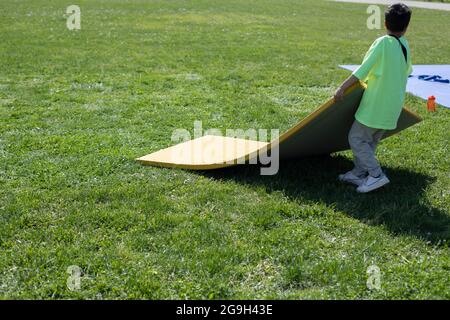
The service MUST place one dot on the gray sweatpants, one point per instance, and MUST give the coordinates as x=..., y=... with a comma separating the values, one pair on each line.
x=364, y=140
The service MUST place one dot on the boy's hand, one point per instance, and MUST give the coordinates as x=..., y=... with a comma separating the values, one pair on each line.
x=339, y=94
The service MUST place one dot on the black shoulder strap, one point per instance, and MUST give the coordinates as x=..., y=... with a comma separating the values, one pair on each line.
x=405, y=53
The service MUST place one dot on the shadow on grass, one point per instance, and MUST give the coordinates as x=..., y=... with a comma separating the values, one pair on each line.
x=401, y=206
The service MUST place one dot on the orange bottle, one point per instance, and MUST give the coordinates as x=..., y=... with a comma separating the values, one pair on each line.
x=431, y=103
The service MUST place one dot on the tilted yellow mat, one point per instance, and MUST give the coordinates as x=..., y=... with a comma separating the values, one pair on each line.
x=322, y=132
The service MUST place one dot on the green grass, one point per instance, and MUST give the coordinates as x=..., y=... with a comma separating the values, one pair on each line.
x=77, y=107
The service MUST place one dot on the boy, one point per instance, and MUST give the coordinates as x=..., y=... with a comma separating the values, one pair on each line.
x=386, y=67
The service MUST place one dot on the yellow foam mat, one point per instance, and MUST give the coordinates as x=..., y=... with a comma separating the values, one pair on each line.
x=322, y=132
x=207, y=152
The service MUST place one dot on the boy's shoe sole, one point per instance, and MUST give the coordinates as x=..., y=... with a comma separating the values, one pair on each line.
x=356, y=182
x=377, y=184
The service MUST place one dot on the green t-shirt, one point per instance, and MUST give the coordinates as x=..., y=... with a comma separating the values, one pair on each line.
x=386, y=73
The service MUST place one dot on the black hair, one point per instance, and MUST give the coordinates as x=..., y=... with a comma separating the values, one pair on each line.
x=397, y=17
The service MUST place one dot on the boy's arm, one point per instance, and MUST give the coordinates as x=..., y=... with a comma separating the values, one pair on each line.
x=339, y=94
x=370, y=60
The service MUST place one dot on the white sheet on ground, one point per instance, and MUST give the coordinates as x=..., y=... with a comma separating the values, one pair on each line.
x=426, y=80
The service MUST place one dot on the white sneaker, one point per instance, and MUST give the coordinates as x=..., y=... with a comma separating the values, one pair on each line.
x=371, y=183
x=351, y=178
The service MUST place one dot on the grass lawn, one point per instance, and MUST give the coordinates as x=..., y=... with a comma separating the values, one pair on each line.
x=76, y=107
